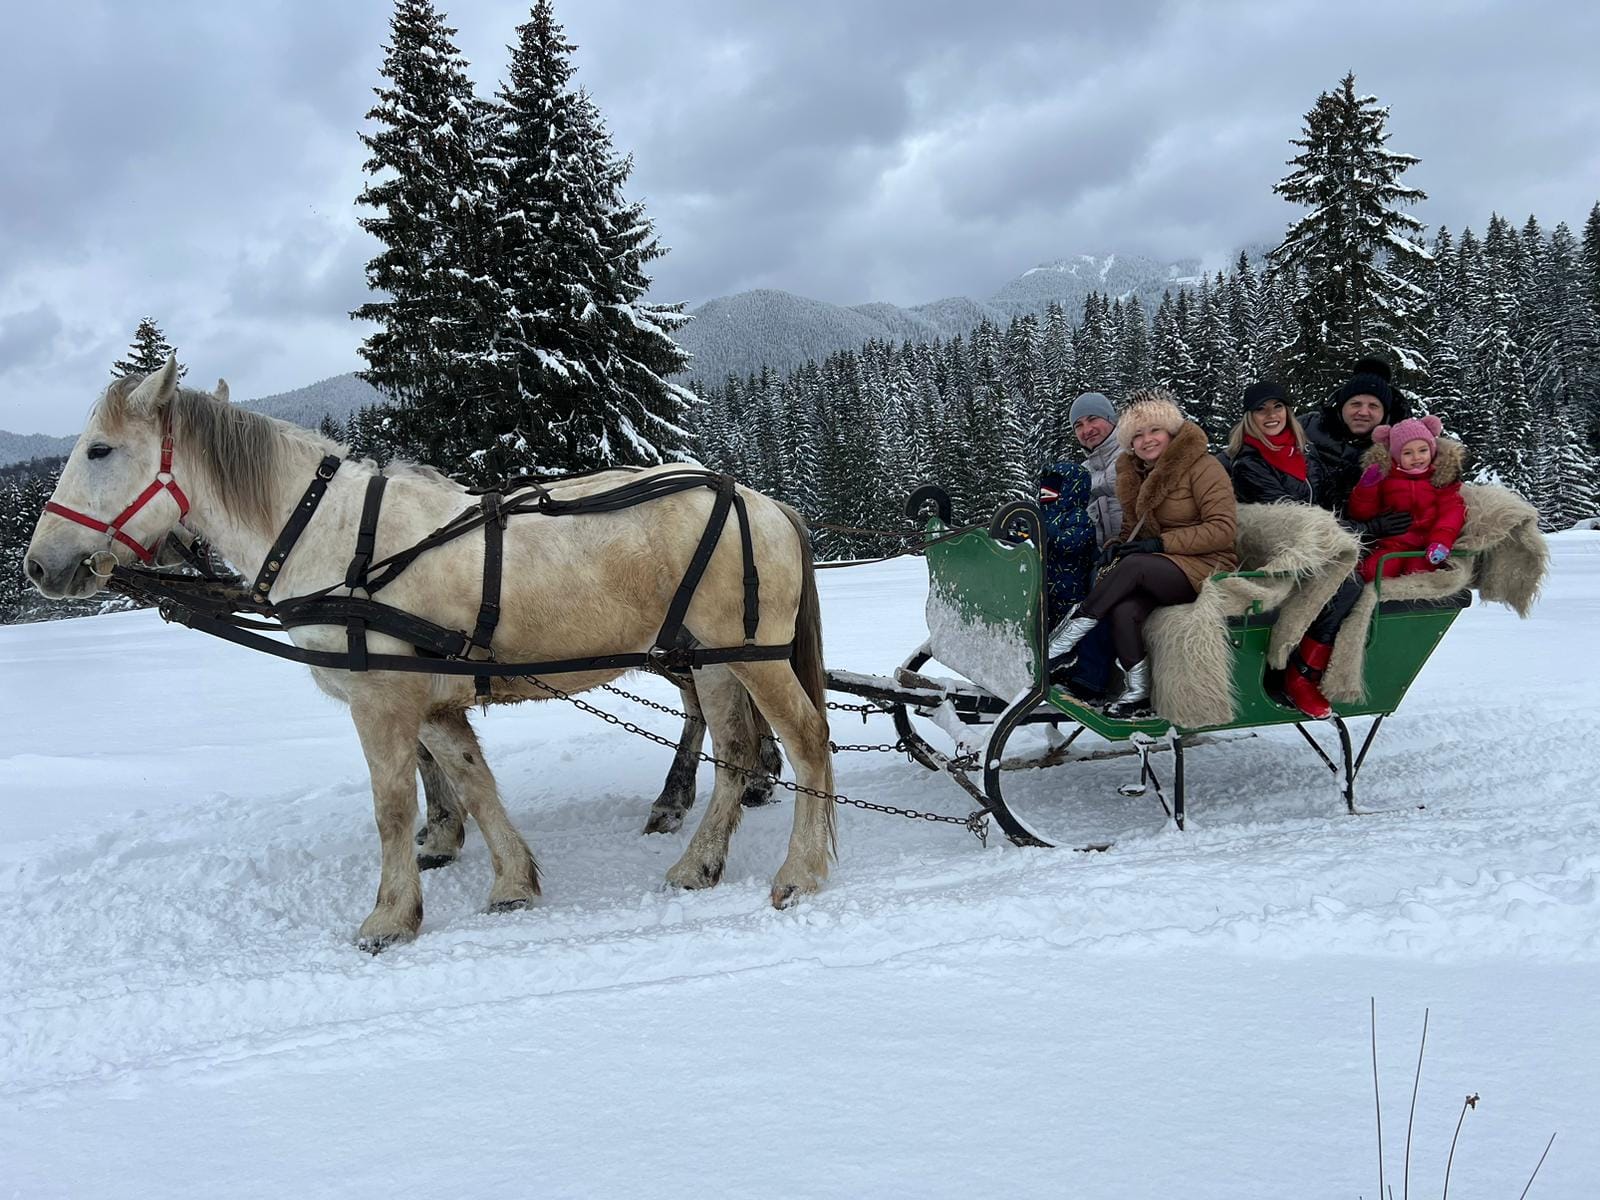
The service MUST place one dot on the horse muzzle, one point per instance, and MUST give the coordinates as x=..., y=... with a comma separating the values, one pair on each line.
x=70, y=579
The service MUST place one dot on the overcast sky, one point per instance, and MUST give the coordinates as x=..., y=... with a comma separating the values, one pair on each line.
x=199, y=161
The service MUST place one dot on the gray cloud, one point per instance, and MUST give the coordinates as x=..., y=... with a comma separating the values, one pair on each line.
x=29, y=337
x=900, y=151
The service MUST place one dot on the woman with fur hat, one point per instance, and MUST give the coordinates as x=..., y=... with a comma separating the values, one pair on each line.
x=1411, y=469
x=1267, y=449
x=1178, y=526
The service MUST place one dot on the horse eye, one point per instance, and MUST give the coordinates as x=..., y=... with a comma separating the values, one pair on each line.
x=99, y=451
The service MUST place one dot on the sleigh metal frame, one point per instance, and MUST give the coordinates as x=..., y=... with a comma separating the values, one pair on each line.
x=993, y=579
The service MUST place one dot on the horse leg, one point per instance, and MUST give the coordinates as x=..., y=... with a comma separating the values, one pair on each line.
x=454, y=746
x=733, y=739
x=677, y=794
x=387, y=721
x=758, y=788
x=439, y=840
x=777, y=692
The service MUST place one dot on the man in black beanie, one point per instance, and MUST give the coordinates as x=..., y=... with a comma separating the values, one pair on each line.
x=1341, y=432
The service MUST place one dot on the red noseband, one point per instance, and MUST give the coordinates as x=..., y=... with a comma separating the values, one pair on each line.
x=163, y=482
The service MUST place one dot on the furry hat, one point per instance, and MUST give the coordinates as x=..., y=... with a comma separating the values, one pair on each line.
x=1152, y=406
x=1413, y=429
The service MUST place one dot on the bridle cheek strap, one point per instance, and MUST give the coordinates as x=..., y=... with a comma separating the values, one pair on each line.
x=163, y=482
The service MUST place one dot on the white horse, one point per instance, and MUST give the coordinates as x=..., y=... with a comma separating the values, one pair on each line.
x=574, y=586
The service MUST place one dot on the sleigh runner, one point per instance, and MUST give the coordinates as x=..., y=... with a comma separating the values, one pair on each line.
x=986, y=622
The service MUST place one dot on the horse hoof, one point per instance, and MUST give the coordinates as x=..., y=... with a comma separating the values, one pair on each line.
x=757, y=797
x=377, y=943
x=665, y=821
x=785, y=896
x=695, y=877
x=432, y=862
x=505, y=906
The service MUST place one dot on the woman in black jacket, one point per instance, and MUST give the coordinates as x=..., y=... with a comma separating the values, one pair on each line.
x=1271, y=463
x=1267, y=451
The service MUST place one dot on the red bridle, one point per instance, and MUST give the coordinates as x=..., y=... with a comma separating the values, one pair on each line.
x=163, y=482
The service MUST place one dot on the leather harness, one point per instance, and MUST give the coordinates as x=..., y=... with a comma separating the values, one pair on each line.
x=203, y=605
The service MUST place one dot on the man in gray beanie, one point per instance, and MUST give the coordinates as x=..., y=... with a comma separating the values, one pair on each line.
x=1094, y=420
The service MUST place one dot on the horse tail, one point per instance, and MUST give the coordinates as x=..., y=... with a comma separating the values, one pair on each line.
x=806, y=657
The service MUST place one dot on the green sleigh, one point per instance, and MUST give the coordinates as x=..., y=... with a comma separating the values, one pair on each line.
x=986, y=620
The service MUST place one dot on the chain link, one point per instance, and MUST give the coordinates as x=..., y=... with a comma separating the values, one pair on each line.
x=898, y=746
x=976, y=823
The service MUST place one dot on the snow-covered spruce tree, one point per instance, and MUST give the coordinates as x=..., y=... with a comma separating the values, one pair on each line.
x=148, y=352
x=1499, y=381
x=1591, y=281
x=1564, y=346
x=1214, y=399
x=1172, y=361
x=1250, y=360
x=432, y=213
x=1058, y=386
x=1095, y=347
x=1133, y=349
x=591, y=356
x=1351, y=298
x=1451, y=338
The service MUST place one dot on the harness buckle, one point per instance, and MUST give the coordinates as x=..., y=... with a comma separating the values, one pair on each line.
x=325, y=473
x=672, y=658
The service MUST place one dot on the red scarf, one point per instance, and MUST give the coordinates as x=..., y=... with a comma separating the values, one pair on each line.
x=1282, y=455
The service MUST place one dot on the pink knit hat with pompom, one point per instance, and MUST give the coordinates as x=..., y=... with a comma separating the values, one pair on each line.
x=1413, y=429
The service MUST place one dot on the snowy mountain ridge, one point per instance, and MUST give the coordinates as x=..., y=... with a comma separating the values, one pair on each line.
x=740, y=334
x=338, y=395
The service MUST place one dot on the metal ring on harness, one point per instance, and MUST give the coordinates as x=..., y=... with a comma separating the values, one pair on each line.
x=94, y=561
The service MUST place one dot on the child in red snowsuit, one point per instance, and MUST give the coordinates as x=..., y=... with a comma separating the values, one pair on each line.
x=1411, y=469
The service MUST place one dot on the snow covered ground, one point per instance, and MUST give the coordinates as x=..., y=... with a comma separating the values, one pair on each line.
x=188, y=848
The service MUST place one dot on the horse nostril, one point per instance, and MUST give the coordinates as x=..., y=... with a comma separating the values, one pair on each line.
x=35, y=569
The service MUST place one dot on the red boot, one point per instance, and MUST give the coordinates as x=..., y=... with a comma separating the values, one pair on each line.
x=1300, y=681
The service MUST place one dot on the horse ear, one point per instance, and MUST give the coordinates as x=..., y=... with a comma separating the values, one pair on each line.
x=157, y=389
x=221, y=390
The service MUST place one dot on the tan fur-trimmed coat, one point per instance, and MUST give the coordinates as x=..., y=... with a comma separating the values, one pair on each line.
x=1186, y=499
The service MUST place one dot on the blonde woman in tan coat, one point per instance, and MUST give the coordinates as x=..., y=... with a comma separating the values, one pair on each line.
x=1178, y=525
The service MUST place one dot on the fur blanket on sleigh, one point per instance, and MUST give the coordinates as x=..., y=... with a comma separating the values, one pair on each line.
x=1311, y=554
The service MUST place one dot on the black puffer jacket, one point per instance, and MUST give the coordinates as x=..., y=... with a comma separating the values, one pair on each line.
x=1336, y=454
x=1256, y=481
x=1336, y=450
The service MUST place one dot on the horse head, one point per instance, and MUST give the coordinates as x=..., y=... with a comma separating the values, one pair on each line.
x=117, y=498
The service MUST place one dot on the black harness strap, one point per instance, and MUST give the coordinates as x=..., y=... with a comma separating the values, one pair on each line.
x=494, y=528
x=667, y=641
x=293, y=528
x=752, y=581
x=355, y=575
x=230, y=630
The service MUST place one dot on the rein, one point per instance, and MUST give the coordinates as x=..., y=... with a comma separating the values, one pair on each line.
x=163, y=482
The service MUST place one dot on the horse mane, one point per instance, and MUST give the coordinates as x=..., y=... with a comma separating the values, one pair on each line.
x=239, y=451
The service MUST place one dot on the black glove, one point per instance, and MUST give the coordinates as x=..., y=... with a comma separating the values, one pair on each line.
x=1389, y=524
x=1141, y=546
x=1106, y=557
